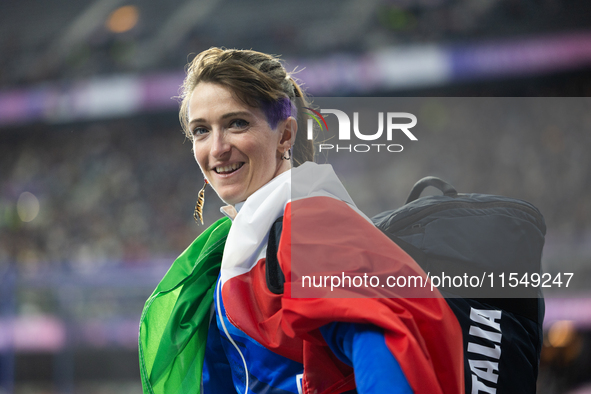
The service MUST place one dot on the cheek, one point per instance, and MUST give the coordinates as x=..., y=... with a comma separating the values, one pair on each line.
x=199, y=154
x=263, y=156
x=267, y=166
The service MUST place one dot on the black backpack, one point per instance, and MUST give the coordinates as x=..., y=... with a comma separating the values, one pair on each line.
x=468, y=236
x=498, y=240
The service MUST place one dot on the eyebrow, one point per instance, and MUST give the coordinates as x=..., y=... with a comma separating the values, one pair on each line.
x=225, y=116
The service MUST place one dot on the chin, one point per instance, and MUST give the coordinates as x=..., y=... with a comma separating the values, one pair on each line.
x=230, y=202
x=231, y=199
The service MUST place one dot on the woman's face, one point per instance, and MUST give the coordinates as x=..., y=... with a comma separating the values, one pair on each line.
x=234, y=146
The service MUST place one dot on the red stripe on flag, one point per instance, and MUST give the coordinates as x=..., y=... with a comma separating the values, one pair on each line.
x=324, y=235
x=254, y=309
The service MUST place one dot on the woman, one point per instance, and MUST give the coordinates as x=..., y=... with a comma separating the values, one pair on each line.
x=223, y=319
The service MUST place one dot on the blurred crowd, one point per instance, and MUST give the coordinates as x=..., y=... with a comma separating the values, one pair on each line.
x=74, y=40
x=116, y=192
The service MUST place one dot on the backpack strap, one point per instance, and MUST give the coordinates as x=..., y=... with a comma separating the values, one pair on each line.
x=446, y=188
x=273, y=273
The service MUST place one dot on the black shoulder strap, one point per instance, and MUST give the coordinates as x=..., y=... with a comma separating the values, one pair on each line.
x=275, y=277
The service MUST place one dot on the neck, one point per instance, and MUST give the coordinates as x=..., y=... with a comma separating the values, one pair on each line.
x=283, y=165
x=229, y=211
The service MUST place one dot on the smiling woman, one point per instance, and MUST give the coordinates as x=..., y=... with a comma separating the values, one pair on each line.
x=249, y=92
x=258, y=81
x=223, y=319
x=234, y=144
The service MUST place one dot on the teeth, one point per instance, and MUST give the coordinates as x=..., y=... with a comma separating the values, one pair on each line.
x=230, y=168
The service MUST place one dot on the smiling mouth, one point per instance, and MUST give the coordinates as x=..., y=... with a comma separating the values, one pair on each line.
x=228, y=169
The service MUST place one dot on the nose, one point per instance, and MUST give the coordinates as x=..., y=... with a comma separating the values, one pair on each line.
x=220, y=145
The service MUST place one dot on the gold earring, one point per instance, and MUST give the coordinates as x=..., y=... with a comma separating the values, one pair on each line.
x=198, y=214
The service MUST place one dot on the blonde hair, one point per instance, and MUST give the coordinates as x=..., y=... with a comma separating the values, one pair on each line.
x=260, y=81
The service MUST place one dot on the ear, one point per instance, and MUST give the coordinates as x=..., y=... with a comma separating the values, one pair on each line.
x=288, y=129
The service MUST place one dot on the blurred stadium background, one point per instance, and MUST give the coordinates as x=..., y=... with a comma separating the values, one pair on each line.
x=97, y=184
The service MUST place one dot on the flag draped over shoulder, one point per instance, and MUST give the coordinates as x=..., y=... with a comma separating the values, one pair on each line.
x=422, y=333
x=175, y=320
x=325, y=234
x=323, y=231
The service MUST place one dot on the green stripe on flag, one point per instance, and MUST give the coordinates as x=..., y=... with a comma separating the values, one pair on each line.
x=175, y=319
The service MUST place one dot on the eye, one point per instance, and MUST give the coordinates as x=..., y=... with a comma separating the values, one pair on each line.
x=197, y=131
x=239, y=124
